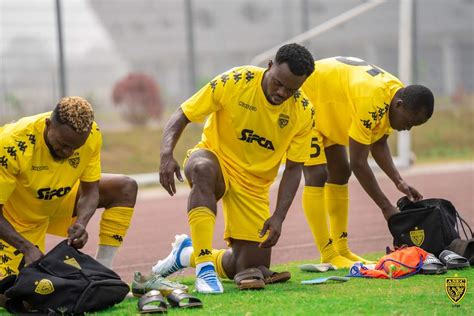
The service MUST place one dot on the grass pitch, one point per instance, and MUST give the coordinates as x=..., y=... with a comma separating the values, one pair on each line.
x=416, y=295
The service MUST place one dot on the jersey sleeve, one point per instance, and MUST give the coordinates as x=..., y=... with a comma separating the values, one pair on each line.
x=363, y=120
x=93, y=169
x=207, y=100
x=300, y=149
x=9, y=168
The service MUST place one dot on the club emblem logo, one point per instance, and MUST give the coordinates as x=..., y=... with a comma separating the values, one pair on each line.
x=44, y=287
x=417, y=236
x=283, y=120
x=455, y=288
x=74, y=162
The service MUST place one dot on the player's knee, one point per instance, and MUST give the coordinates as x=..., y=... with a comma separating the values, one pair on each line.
x=127, y=194
x=202, y=170
x=315, y=175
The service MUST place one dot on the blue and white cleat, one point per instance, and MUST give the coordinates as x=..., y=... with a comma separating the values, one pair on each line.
x=207, y=281
x=173, y=262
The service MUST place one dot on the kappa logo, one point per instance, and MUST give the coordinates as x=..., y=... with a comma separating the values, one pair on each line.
x=74, y=161
x=417, y=236
x=39, y=168
x=118, y=238
x=248, y=136
x=44, y=287
x=48, y=193
x=283, y=120
x=204, y=252
x=248, y=106
x=455, y=288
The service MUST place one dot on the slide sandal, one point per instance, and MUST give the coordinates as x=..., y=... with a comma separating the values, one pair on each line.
x=152, y=302
x=432, y=265
x=452, y=260
x=318, y=267
x=325, y=280
x=271, y=277
x=181, y=299
x=250, y=279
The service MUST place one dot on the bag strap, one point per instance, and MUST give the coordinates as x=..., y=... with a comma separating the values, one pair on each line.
x=416, y=268
x=463, y=222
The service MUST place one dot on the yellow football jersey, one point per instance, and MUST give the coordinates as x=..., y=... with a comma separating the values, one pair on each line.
x=32, y=183
x=351, y=99
x=249, y=134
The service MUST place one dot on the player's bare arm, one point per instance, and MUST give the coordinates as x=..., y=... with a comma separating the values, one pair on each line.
x=381, y=153
x=11, y=236
x=360, y=166
x=168, y=164
x=86, y=206
x=286, y=192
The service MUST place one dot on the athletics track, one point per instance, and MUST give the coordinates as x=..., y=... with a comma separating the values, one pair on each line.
x=158, y=217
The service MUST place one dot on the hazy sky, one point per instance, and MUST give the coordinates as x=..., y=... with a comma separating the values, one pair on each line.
x=37, y=18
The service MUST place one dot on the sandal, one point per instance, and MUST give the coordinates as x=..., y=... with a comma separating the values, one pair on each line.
x=142, y=284
x=271, y=277
x=151, y=303
x=326, y=279
x=317, y=267
x=432, y=265
x=452, y=260
x=181, y=299
x=250, y=279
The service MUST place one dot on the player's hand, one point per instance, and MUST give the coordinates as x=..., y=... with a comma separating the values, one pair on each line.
x=411, y=193
x=32, y=254
x=273, y=225
x=77, y=235
x=389, y=211
x=168, y=168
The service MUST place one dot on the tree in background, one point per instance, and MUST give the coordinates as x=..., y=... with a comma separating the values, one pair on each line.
x=139, y=98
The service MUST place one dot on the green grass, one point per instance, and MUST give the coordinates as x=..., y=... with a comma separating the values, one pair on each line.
x=446, y=136
x=416, y=295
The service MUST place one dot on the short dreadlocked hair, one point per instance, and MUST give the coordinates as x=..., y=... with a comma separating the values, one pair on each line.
x=419, y=100
x=76, y=112
x=299, y=59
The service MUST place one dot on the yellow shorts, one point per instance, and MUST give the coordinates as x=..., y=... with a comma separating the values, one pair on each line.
x=318, y=143
x=11, y=259
x=244, y=212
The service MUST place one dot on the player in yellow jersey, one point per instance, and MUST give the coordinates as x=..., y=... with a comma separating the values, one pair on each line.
x=50, y=182
x=256, y=116
x=357, y=105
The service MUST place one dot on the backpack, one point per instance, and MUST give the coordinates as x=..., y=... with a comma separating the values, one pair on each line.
x=430, y=224
x=64, y=281
x=397, y=264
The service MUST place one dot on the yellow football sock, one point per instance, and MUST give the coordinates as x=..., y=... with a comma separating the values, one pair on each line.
x=201, y=222
x=337, y=204
x=114, y=224
x=315, y=212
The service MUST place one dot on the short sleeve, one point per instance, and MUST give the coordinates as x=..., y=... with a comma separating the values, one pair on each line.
x=300, y=145
x=364, y=120
x=93, y=169
x=207, y=100
x=9, y=168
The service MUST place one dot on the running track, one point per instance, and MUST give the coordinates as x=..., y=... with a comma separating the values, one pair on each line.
x=158, y=217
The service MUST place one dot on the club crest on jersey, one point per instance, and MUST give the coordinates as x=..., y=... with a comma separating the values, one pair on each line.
x=74, y=161
x=247, y=135
x=283, y=120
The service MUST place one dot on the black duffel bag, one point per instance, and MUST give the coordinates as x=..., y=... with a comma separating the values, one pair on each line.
x=64, y=281
x=430, y=224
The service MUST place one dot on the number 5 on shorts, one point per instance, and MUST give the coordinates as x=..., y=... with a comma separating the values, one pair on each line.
x=317, y=149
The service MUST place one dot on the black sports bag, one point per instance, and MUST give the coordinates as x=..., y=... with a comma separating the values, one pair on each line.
x=64, y=281
x=430, y=224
